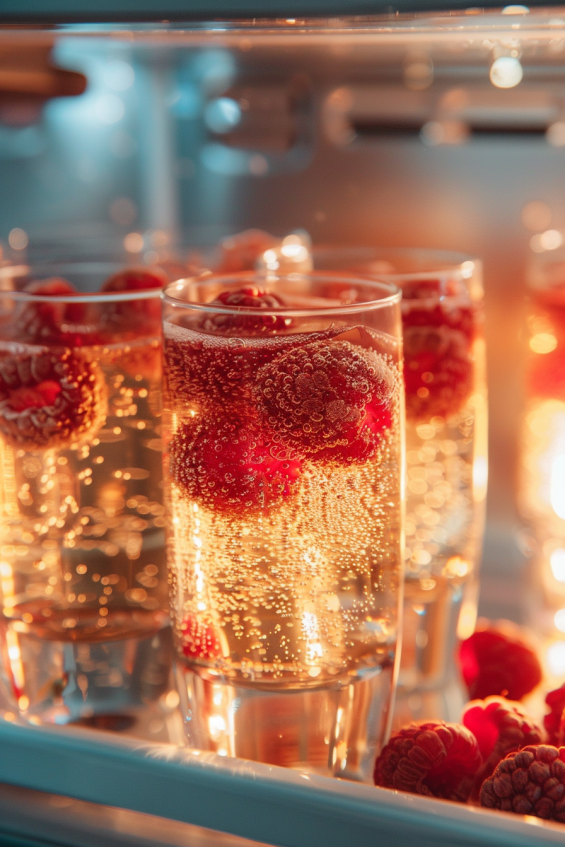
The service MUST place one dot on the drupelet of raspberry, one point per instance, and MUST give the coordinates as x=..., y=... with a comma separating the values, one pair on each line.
x=529, y=782
x=49, y=399
x=496, y=659
x=199, y=640
x=331, y=400
x=44, y=322
x=500, y=726
x=231, y=465
x=553, y=721
x=247, y=297
x=432, y=758
x=141, y=315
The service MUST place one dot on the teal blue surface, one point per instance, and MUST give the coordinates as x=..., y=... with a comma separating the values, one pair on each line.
x=268, y=804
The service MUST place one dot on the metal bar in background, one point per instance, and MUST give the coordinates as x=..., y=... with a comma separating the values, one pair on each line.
x=80, y=11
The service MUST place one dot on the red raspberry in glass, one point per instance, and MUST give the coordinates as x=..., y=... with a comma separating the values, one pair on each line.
x=553, y=721
x=199, y=640
x=248, y=297
x=44, y=322
x=330, y=400
x=496, y=659
x=49, y=399
x=240, y=252
x=138, y=315
x=439, y=325
x=529, y=782
x=432, y=758
x=500, y=726
x=231, y=465
x=438, y=371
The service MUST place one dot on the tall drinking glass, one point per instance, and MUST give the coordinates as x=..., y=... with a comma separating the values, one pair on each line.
x=446, y=458
x=284, y=471
x=82, y=560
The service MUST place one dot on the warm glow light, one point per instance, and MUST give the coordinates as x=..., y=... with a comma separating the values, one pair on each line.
x=556, y=658
x=551, y=239
x=543, y=342
x=557, y=486
x=559, y=620
x=506, y=72
x=133, y=242
x=557, y=563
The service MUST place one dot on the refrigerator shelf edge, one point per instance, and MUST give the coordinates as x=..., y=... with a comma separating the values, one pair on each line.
x=267, y=804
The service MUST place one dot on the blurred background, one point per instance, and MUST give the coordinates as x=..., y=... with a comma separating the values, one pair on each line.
x=446, y=136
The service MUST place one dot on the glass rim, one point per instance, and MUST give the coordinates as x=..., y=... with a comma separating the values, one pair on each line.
x=393, y=297
x=457, y=260
x=10, y=271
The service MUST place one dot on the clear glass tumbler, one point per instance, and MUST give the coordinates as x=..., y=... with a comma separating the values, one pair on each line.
x=446, y=458
x=82, y=562
x=283, y=465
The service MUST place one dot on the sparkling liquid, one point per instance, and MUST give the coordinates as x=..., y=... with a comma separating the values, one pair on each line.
x=83, y=521
x=296, y=585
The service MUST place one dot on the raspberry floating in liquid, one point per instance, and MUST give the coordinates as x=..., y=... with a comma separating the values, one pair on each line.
x=432, y=758
x=135, y=313
x=438, y=371
x=329, y=400
x=51, y=323
x=199, y=640
x=49, y=399
x=500, y=726
x=230, y=465
x=439, y=326
x=495, y=660
x=553, y=721
x=529, y=782
x=248, y=297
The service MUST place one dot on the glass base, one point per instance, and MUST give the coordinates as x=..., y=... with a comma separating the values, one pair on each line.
x=101, y=684
x=331, y=731
x=429, y=685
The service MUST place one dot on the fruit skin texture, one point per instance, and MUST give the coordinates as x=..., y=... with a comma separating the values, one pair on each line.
x=141, y=316
x=40, y=322
x=439, y=324
x=231, y=465
x=495, y=660
x=553, y=721
x=199, y=640
x=431, y=758
x=500, y=726
x=49, y=398
x=529, y=782
x=329, y=400
x=248, y=297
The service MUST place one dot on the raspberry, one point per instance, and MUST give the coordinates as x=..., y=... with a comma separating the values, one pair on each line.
x=500, y=726
x=240, y=252
x=231, y=465
x=332, y=401
x=51, y=323
x=199, y=640
x=214, y=371
x=439, y=326
x=553, y=721
x=137, y=314
x=438, y=371
x=529, y=782
x=495, y=659
x=433, y=758
x=49, y=399
x=249, y=297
